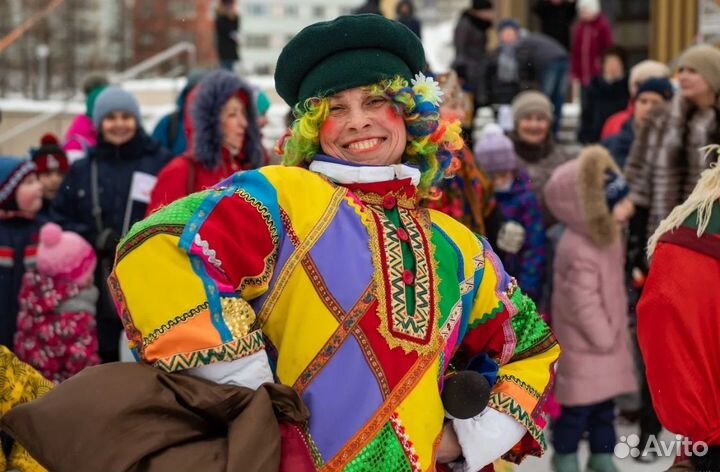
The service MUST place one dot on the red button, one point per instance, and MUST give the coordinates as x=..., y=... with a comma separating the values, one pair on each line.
x=402, y=235
x=389, y=202
x=408, y=278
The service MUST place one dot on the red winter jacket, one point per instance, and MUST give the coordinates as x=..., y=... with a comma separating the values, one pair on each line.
x=614, y=125
x=678, y=328
x=185, y=175
x=590, y=40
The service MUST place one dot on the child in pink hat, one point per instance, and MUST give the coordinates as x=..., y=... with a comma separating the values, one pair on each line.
x=56, y=325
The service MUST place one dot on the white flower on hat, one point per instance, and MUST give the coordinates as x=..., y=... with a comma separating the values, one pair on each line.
x=428, y=88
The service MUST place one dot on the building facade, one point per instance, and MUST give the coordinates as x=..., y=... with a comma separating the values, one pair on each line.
x=78, y=37
x=160, y=24
x=267, y=25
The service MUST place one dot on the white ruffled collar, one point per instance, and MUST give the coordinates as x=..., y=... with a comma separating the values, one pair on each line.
x=344, y=172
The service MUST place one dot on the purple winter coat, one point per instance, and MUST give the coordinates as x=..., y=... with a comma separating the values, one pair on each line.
x=589, y=302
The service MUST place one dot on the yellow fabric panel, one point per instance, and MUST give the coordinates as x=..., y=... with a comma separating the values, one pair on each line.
x=469, y=245
x=159, y=283
x=422, y=413
x=534, y=371
x=305, y=195
x=487, y=298
x=299, y=326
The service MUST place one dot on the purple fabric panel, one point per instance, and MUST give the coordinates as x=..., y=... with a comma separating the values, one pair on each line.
x=343, y=257
x=341, y=398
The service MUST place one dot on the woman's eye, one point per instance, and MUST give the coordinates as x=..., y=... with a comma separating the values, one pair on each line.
x=376, y=101
x=336, y=108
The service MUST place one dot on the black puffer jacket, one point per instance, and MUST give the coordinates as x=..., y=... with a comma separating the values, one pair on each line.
x=116, y=165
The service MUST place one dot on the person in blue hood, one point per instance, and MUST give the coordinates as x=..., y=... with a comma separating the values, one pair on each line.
x=170, y=131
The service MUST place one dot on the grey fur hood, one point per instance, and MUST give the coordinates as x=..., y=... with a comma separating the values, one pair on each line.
x=214, y=91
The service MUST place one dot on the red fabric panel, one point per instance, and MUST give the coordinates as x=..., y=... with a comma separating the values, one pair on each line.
x=240, y=236
x=678, y=332
x=395, y=363
x=294, y=452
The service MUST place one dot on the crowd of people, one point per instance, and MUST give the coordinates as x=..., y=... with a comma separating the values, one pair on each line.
x=390, y=252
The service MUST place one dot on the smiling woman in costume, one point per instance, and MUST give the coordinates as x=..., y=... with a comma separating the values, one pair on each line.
x=325, y=274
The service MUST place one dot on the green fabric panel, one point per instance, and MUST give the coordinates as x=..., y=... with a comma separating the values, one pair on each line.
x=408, y=260
x=384, y=453
x=176, y=213
x=530, y=329
x=713, y=226
x=447, y=272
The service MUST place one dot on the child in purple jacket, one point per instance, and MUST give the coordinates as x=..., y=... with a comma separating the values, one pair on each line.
x=520, y=208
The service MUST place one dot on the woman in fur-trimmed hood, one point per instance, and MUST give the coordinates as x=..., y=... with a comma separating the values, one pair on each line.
x=589, y=304
x=224, y=138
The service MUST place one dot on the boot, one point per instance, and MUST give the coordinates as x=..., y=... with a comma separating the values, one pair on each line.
x=566, y=463
x=601, y=463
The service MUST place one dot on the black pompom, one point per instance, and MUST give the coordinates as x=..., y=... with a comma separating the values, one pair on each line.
x=465, y=394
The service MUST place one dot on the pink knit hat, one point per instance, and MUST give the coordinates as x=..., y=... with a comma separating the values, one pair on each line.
x=65, y=255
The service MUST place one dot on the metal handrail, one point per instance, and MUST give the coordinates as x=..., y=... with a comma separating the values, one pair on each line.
x=147, y=64
x=157, y=59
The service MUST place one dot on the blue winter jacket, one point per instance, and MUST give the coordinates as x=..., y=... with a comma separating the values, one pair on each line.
x=18, y=243
x=170, y=130
x=619, y=145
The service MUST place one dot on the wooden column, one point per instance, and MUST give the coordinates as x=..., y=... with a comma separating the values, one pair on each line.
x=674, y=28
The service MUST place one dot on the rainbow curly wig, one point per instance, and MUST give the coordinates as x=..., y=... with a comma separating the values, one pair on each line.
x=432, y=142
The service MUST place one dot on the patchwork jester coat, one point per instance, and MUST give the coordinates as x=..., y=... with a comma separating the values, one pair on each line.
x=361, y=299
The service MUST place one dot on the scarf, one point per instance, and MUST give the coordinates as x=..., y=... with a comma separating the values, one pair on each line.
x=532, y=153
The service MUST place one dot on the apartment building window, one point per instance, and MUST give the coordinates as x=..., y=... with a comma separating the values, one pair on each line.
x=256, y=9
x=318, y=11
x=291, y=10
x=257, y=40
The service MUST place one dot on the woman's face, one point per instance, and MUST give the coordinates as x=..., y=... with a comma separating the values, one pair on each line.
x=692, y=84
x=363, y=129
x=118, y=127
x=29, y=194
x=533, y=128
x=453, y=109
x=50, y=182
x=234, y=123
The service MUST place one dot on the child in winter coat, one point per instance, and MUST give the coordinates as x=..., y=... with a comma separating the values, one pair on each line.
x=56, y=330
x=518, y=204
x=20, y=202
x=52, y=166
x=589, y=305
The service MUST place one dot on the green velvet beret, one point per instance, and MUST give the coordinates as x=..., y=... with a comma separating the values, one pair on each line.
x=350, y=51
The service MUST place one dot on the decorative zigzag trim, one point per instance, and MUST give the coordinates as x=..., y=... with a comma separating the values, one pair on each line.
x=504, y=403
x=271, y=258
x=407, y=445
x=188, y=315
x=236, y=349
x=211, y=254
